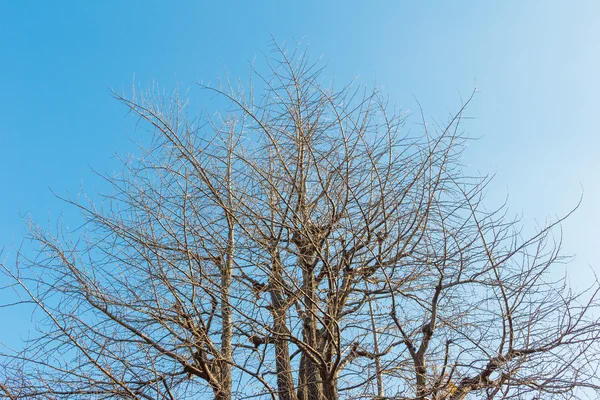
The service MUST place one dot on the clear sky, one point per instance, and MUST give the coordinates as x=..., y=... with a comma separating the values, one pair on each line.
x=536, y=65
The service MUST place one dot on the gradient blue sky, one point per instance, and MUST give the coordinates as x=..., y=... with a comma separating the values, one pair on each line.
x=536, y=65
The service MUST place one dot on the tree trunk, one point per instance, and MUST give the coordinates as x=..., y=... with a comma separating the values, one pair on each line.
x=285, y=381
x=421, y=381
x=330, y=389
x=226, y=334
x=312, y=378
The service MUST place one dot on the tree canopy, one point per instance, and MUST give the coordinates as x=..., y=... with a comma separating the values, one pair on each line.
x=299, y=244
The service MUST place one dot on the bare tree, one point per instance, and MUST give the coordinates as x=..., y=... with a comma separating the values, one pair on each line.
x=299, y=245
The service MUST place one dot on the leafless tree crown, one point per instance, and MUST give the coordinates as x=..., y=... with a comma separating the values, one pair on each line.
x=302, y=244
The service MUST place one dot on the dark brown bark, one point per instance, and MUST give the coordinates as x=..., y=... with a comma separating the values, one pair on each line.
x=285, y=381
x=312, y=376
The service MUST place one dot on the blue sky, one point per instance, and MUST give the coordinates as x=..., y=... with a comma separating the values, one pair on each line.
x=535, y=65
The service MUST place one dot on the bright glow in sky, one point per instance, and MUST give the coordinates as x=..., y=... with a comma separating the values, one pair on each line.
x=534, y=63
